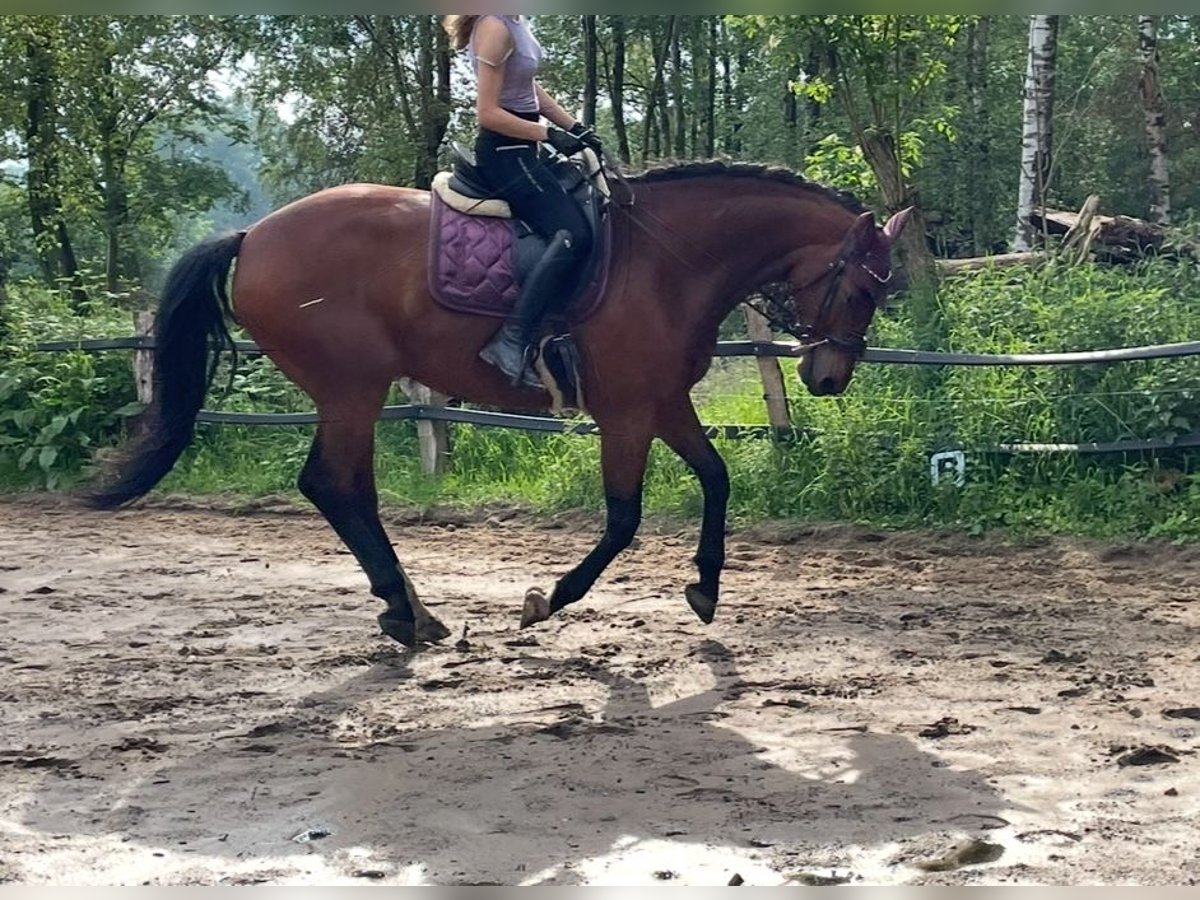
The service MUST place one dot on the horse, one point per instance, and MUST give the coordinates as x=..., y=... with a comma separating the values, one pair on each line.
x=334, y=288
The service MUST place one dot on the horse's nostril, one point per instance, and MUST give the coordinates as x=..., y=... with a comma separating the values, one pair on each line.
x=827, y=386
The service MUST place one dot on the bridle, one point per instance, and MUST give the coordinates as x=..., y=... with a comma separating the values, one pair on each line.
x=776, y=304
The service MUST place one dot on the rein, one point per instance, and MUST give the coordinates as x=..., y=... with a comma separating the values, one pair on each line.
x=778, y=312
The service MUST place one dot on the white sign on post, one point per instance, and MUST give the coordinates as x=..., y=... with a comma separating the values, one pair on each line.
x=950, y=464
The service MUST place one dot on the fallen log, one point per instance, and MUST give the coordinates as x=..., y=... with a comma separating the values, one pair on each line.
x=1110, y=238
x=999, y=260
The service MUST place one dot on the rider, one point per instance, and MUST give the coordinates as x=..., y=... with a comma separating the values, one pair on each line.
x=508, y=107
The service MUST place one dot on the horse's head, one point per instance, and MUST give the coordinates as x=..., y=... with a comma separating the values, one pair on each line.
x=834, y=300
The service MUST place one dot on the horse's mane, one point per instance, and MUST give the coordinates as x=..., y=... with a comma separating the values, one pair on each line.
x=687, y=171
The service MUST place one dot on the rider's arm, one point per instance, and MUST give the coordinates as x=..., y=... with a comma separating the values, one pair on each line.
x=493, y=47
x=549, y=108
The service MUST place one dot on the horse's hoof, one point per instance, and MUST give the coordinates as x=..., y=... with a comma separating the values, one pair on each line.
x=537, y=607
x=702, y=605
x=402, y=630
x=431, y=631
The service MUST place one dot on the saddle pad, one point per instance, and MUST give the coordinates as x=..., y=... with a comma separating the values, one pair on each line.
x=473, y=265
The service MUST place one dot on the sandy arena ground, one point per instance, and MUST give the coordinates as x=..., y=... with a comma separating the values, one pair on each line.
x=196, y=696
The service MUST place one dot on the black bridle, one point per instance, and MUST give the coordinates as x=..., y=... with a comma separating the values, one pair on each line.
x=777, y=306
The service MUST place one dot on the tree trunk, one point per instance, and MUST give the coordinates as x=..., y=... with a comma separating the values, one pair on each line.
x=119, y=266
x=433, y=98
x=1154, y=109
x=617, y=87
x=651, y=126
x=739, y=97
x=912, y=249
x=52, y=238
x=7, y=259
x=710, y=110
x=978, y=145
x=590, y=83
x=113, y=154
x=696, y=47
x=680, y=117
x=791, y=116
x=814, y=108
x=1036, y=136
x=726, y=92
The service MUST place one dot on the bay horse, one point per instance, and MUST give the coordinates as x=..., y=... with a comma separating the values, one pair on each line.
x=334, y=288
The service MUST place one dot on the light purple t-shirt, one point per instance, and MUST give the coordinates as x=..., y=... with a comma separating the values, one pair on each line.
x=517, y=94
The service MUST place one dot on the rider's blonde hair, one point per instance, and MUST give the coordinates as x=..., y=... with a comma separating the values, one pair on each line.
x=459, y=28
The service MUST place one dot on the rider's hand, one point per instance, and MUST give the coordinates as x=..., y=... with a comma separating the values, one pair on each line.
x=563, y=141
x=589, y=138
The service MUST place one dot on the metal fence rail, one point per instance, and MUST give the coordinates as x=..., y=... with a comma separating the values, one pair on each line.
x=727, y=349
x=755, y=349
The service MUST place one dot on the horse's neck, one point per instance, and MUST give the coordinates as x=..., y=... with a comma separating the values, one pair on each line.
x=730, y=237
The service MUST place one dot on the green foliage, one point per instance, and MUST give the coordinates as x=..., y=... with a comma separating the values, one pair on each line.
x=57, y=410
x=862, y=457
x=159, y=127
x=122, y=100
x=834, y=162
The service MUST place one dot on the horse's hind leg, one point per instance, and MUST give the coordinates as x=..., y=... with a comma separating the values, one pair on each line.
x=339, y=479
x=623, y=454
x=682, y=432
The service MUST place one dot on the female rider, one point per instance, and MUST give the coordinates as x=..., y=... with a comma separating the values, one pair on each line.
x=509, y=105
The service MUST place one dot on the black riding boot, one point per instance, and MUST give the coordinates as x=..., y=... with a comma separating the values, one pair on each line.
x=509, y=349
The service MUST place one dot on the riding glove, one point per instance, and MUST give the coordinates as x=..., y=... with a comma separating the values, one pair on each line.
x=563, y=141
x=589, y=137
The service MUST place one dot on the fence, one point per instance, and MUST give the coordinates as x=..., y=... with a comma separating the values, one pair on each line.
x=767, y=352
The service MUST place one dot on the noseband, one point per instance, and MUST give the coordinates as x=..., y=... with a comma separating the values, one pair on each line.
x=778, y=310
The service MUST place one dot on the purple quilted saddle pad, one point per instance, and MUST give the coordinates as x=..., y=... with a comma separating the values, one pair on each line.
x=473, y=265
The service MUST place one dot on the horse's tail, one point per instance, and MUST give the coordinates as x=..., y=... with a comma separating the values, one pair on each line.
x=190, y=332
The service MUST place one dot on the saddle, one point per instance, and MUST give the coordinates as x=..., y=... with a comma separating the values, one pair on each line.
x=480, y=254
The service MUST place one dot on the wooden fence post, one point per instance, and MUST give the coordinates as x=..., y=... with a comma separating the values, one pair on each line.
x=143, y=360
x=774, y=388
x=433, y=437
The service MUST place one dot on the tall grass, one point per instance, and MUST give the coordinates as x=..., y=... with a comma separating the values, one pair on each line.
x=862, y=457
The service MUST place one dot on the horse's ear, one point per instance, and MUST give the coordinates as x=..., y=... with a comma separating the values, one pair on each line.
x=863, y=225
x=861, y=236
x=896, y=224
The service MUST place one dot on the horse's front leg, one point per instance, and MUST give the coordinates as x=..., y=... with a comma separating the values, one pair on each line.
x=682, y=432
x=623, y=453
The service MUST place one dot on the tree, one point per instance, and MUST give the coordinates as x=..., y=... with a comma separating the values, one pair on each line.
x=369, y=96
x=678, y=97
x=977, y=149
x=102, y=98
x=710, y=100
x=883, y=73
x=1154, y=110
x=38, y=45
x=615, y=73
x=137, y=81
x=1036, y=127
x=591, y=84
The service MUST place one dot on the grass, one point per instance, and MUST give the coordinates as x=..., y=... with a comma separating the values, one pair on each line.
x=861, y=458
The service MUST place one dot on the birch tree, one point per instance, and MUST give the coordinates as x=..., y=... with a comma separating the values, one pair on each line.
x=1036, y=125
x=1154, y=110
